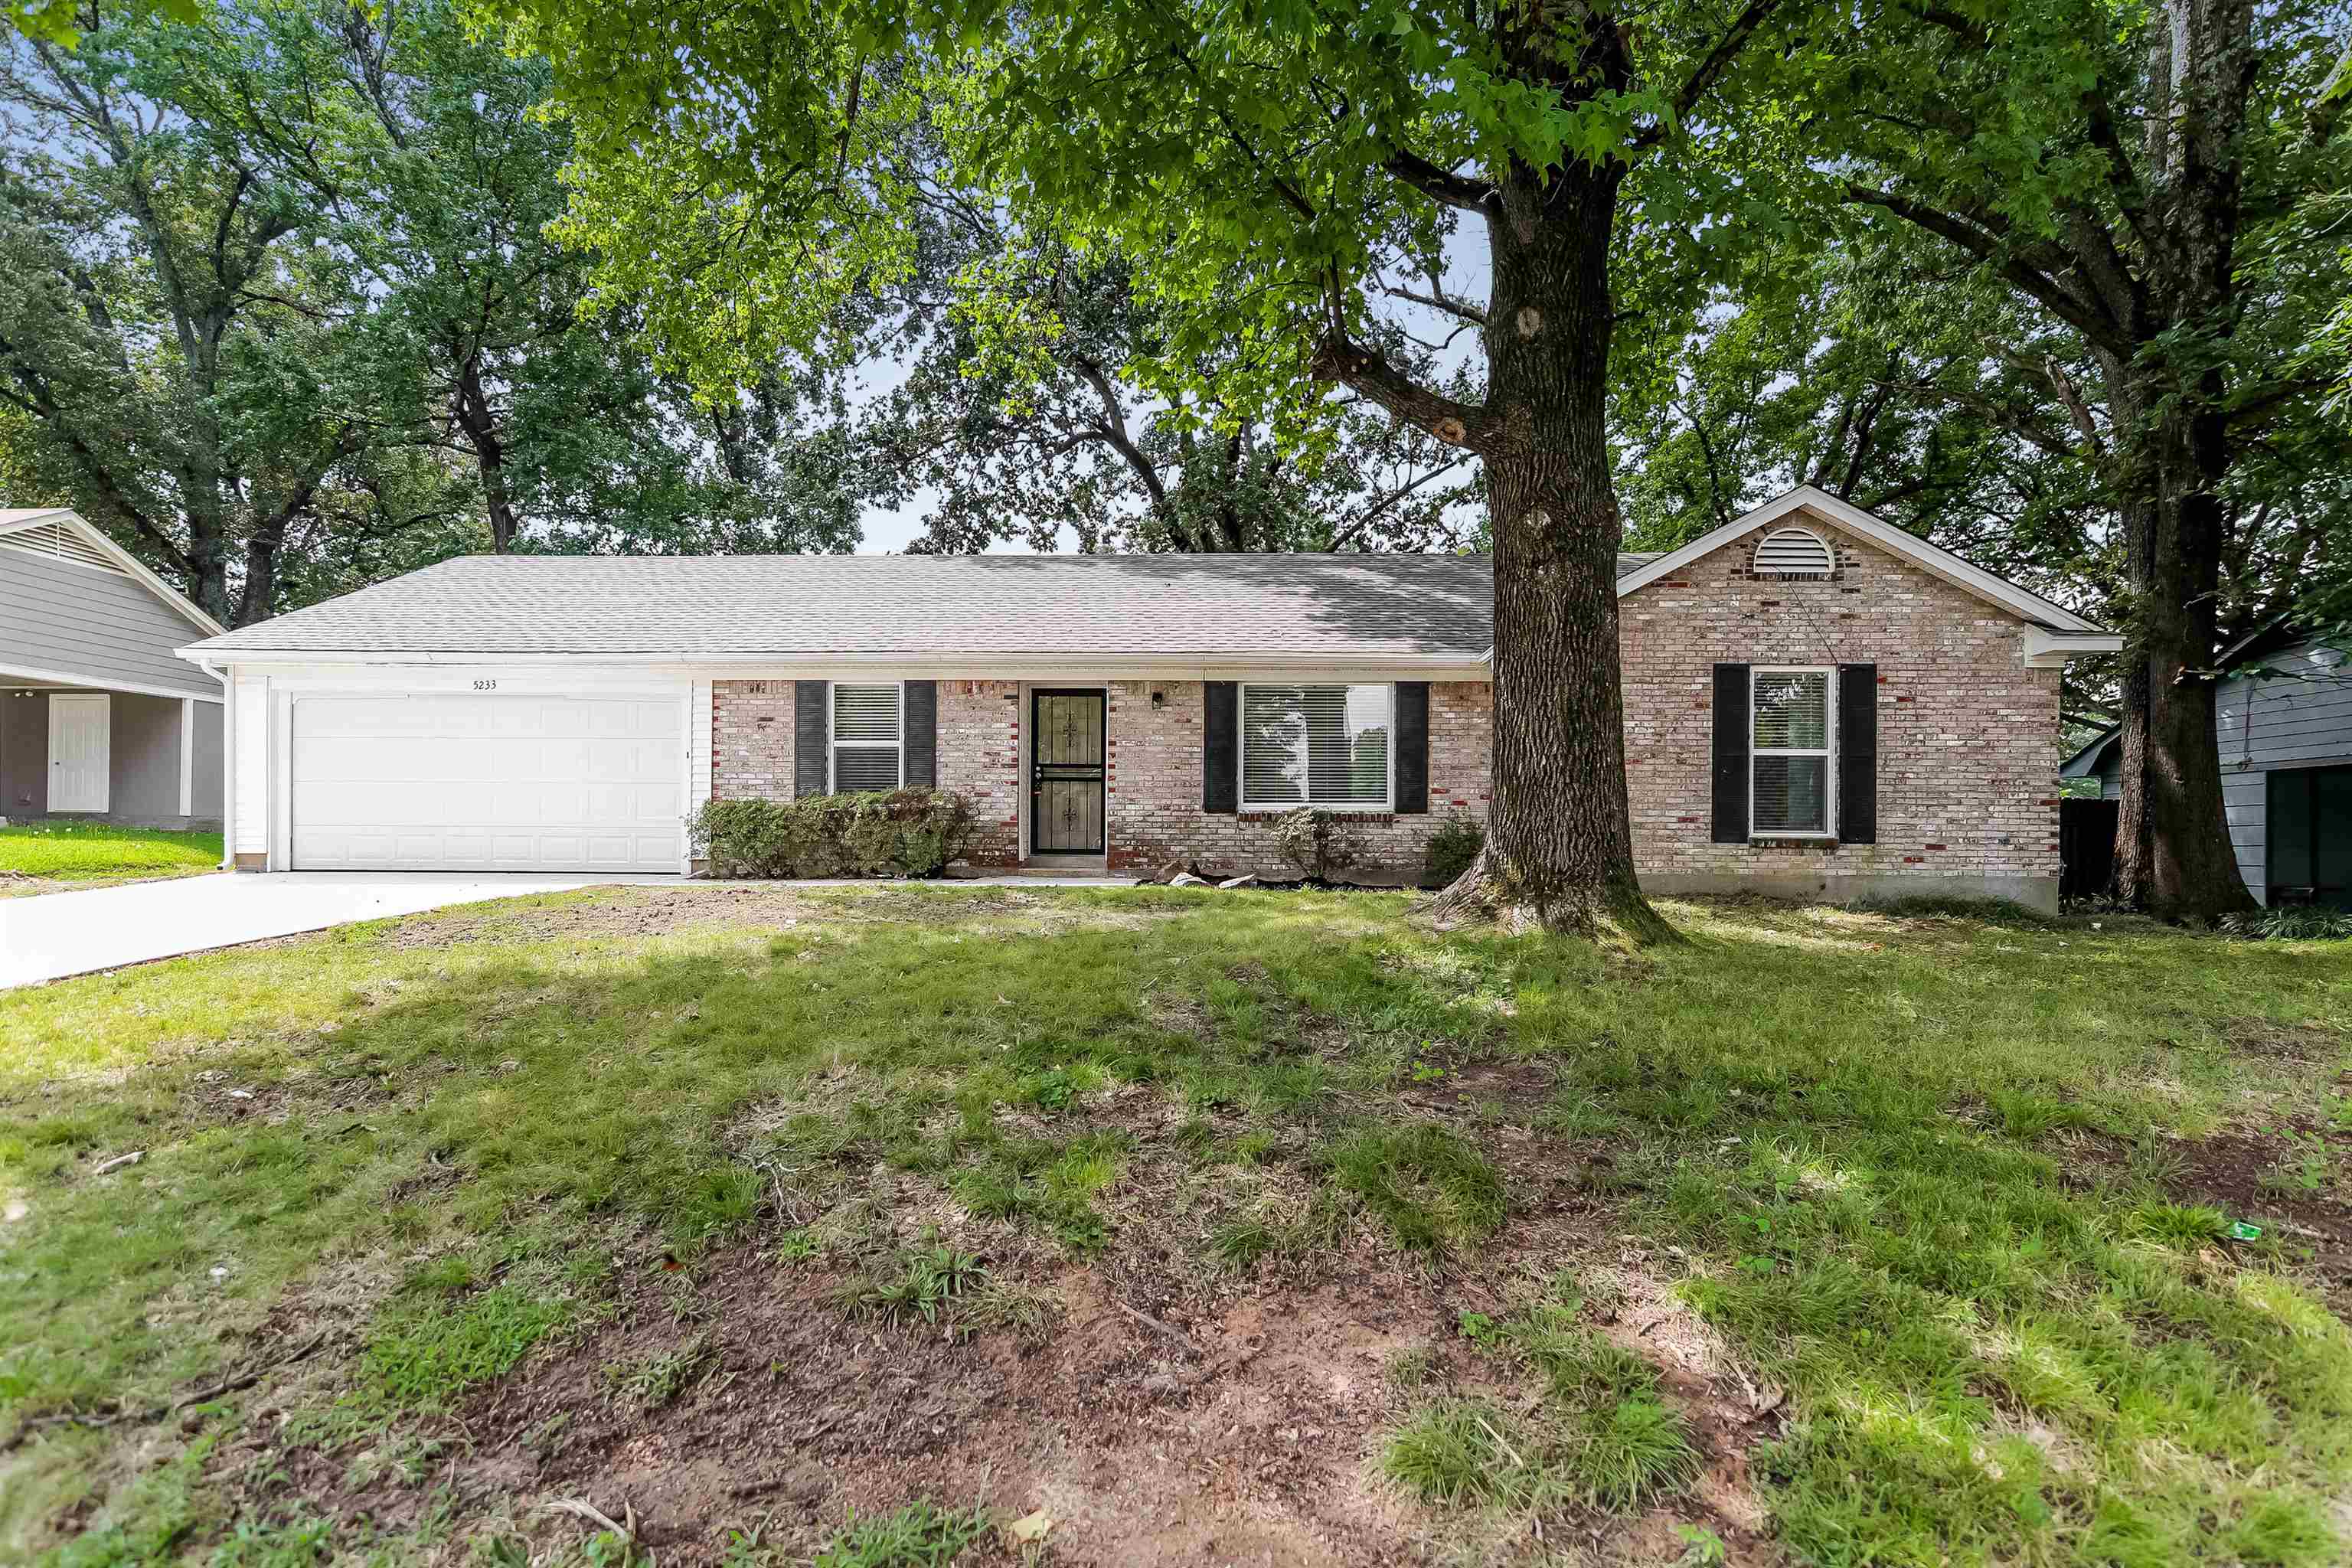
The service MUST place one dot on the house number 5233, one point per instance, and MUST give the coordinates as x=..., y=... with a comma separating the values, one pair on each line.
x=486, y=686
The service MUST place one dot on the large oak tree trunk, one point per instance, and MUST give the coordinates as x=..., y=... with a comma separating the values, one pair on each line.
x=2173, y=854
x=1560, y=847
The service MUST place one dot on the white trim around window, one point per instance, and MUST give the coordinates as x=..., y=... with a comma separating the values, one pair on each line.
x=1758, y=677
x=1300, y=757
x=867, y=693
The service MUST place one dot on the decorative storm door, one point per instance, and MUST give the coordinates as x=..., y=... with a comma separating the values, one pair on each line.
x=1065, y=773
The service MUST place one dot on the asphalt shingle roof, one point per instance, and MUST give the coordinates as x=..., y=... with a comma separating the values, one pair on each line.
x=1211, y=606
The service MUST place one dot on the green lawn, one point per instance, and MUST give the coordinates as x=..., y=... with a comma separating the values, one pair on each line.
x=1948, y=1199
x=88, y=852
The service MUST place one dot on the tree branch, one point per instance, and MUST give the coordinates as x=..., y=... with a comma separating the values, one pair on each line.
x=1701, y=79
x=1993, y=249
x=1443, y=185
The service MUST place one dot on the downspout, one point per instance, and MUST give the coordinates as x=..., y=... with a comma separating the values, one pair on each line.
x=229, y=762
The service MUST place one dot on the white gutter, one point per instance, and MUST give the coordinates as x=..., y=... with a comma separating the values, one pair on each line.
x=975, y=664
x=2048, y=650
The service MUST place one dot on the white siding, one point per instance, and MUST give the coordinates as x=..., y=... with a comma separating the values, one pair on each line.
x=249, y=835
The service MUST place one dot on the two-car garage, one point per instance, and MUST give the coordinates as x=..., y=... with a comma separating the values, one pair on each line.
x=482, y=780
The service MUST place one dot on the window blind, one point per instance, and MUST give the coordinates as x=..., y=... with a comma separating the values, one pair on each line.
x=864, y=738
x=1791, y=751
x=1316, y=745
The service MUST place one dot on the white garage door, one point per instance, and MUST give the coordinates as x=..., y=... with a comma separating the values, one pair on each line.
x=488, y=784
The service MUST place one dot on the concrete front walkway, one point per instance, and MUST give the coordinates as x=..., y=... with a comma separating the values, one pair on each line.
x=52, y=935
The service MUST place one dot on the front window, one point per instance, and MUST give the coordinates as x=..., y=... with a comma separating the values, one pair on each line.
x=1316, y=745
x=866, y=738
x=1788, y=763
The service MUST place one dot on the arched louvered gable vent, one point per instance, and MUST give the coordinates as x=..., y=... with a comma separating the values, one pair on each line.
x=57, y=538
x=1794, y=552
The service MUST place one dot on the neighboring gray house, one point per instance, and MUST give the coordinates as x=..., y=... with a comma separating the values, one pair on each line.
x=98, y=718
x=2285, y=736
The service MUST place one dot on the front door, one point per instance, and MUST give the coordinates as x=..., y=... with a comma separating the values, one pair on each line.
x=1065, y=773
x=80, y=753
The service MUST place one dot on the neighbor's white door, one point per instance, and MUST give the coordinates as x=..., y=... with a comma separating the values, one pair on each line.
x=444, y=782
x=80, y=755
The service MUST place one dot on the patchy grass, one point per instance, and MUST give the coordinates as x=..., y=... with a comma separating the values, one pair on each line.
x=921, y=1535
x=1958, y=1190
x=87, y=854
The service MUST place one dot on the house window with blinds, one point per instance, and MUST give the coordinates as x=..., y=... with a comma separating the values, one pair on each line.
x=867, y=738
x=1317, y=745
x=1794, y=734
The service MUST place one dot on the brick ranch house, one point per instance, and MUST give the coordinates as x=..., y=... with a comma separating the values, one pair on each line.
x=1817, y=704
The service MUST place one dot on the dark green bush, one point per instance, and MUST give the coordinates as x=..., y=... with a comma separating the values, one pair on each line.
x=903, y=833
x=1451, y=849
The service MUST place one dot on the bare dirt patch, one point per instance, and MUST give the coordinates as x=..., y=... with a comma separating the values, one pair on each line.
x=1244, y=1433
x=2259, y=1177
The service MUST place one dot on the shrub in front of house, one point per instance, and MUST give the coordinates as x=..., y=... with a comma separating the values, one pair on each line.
x=1318, y=840
x=1451, y=849
x=901, y=833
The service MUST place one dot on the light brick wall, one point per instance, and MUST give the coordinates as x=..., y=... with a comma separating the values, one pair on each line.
x=752, y=740
x=980, y=759
x=1966, y=742
x=1967, y=758
x=1155, y=812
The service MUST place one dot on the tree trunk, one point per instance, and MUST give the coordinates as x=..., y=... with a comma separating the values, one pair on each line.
x=2173, y=854
x=1560, y=846
x=480, y=421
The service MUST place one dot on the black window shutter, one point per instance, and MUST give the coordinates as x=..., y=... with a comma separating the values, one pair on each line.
x=811, y=728
x=1413, y=747
x=1221, y=784
x=1857, y=762
x=1731, y=753
x=922, y=735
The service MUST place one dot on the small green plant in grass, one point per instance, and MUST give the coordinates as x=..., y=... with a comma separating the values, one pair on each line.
x=1432, y=1186
x=1631, y=1454
x=921, y=1535
x=1411, y=1370
x=1702, y=1547
x=424, y=1356
x=719, y=1202
x=1051, y=1090
x=2307, y=1166
x=652, y=1380
x=2026, y=1117
x=259, y=1543
x=798, y=1245
x=749, y=1548
x=925, y=1281
x=1027, y=1310
x=1238, y=1244
x=1457, y=1451
x=2178, y=1224
x=1477, y=1328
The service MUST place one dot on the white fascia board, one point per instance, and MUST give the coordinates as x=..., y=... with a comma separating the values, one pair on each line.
x=122, y=558
x=1931, y=558
x=1042, y=665
x=96, y=683
x=2046, y=649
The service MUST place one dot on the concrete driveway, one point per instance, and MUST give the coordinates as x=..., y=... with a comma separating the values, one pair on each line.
x=52, y=935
